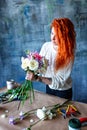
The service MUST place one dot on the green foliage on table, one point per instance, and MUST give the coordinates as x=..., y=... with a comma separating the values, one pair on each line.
x=23, y=92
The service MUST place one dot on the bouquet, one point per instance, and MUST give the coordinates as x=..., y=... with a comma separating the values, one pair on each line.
x=36, y=64
x=32, y=62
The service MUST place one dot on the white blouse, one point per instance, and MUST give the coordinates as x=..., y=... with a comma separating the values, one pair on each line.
x=61, y=80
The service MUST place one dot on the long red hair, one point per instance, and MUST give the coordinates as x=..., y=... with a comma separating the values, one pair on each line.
x=66, y=36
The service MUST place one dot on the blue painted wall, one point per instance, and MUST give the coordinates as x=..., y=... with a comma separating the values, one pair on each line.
x=25, y=24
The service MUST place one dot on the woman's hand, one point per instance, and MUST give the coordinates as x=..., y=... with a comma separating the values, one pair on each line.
x=29, y=75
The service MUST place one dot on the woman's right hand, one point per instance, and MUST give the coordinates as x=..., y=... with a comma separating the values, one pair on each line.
x=29, y=75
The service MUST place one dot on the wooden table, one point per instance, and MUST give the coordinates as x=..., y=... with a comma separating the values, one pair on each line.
x=41, y=100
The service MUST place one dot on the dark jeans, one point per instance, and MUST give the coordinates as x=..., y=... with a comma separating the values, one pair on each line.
x=60, y=93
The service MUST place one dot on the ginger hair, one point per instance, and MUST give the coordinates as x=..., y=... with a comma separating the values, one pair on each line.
x=66, y=38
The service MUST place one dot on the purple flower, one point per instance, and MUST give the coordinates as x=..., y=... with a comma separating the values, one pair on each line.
x=12, y=121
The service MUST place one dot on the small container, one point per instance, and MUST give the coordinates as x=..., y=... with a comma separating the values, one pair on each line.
x=74, y=124
x=10, y=84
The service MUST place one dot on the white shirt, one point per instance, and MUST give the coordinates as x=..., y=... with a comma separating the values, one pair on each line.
x=61, y=80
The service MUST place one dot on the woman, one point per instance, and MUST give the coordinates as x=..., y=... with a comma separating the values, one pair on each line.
x=60, y=53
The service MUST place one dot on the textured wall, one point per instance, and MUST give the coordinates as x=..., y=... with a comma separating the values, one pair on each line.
x=24, y=24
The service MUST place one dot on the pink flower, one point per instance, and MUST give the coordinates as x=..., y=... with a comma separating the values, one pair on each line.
x=37, y=56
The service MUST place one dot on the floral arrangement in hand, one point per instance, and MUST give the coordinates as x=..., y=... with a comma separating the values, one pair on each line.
x=33, y=62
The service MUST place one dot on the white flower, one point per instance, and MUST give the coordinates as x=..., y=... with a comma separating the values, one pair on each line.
x=41, y=114
x=44, y=109
x=25, y=63
x=33, y=65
